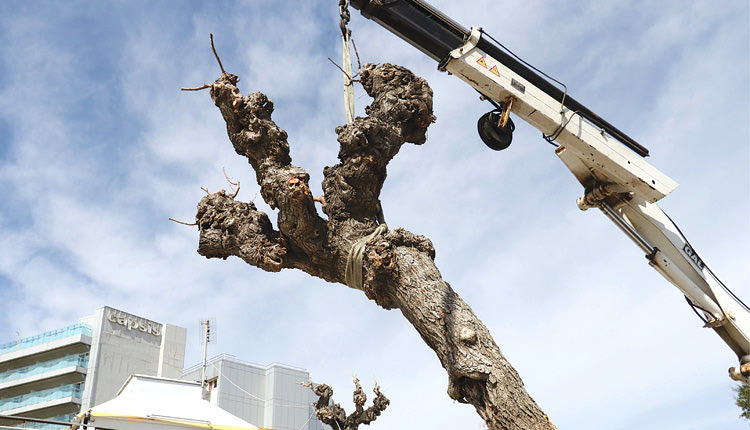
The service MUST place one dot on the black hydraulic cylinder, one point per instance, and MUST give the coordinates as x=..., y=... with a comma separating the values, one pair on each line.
x=417, y=23
x=436, y=35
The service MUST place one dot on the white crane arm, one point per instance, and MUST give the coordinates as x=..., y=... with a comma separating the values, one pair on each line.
x=607, y=163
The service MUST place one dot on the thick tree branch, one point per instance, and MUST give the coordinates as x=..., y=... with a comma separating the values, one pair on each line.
x=232, y=228
x=400, y=112
x=283, y=186
x=400, y=274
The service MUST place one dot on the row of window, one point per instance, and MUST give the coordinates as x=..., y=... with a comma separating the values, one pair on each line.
x=71, y=390
x=81, y=360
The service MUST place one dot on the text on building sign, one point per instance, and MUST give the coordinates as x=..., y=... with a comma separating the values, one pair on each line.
x=133, y=323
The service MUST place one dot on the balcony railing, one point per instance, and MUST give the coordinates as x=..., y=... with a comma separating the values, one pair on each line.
x=45, y=337
x=72, y=390
x=48, y=426
x=81, y=360
x=232, y=358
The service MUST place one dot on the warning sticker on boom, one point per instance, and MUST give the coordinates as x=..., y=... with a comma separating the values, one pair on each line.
x=483, y=62
x=495, y=71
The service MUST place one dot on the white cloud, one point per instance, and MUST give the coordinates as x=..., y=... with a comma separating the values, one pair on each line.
x=104, y=149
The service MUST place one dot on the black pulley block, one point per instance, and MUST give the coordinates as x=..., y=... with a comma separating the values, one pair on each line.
x=492, y=134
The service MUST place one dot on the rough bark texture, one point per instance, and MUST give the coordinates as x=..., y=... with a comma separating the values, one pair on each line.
x=335, y=416
x=398, y=267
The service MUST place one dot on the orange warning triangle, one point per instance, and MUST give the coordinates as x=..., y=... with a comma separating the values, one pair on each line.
x=482, y=62
x=494, y=70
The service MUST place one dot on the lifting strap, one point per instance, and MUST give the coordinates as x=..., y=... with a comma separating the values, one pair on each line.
x=346, y=35
x=353, y=271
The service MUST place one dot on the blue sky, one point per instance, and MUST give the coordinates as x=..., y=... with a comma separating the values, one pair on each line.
x=98, y=147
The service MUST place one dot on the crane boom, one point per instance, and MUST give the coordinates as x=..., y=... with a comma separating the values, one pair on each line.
x=609, y=164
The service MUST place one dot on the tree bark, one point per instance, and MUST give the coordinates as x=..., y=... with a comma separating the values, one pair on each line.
x=398, y=267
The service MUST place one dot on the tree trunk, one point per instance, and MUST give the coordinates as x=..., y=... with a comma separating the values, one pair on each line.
x=398, y=269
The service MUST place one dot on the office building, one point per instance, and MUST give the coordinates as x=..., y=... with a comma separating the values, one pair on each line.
x=58, y=373
x=267, y=396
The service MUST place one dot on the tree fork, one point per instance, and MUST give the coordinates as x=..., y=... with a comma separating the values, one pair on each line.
x=398, y=267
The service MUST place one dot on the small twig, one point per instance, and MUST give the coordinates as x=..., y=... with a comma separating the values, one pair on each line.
x=342, y=71
x=215, y=54
x=227, y=177
x=305, y=384
x=224, y=72
x=236, y=184
x=206, y=190
x=183, y=222
x=359, y=64
x=202, y=87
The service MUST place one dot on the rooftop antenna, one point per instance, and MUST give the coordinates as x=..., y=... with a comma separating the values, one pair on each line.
x=206, y=336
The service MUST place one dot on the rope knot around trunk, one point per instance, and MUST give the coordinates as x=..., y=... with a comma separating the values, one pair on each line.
x=353, y=273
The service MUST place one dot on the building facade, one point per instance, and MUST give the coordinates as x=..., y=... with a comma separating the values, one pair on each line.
x=269, y=397
x=56, y=374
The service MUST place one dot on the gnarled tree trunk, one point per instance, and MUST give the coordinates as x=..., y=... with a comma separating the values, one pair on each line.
x=397, y=266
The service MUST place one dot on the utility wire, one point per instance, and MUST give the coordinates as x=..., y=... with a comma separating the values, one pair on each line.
x=252, y=395
x=308, y=420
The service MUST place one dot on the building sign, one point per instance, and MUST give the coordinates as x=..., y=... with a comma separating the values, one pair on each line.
x=132, y=322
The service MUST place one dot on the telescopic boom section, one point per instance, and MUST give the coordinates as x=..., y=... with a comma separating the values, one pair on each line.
x=436, y=35
x=607, y=162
